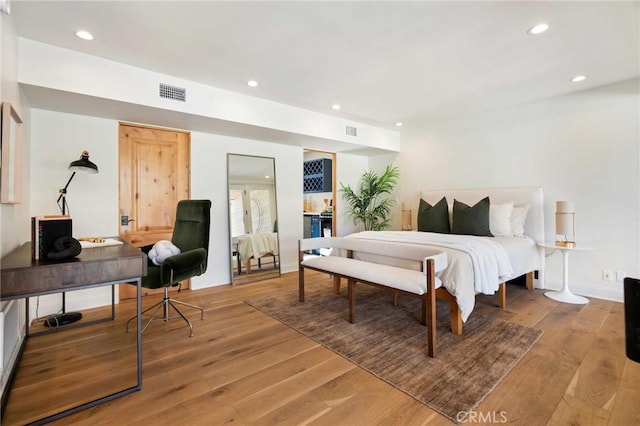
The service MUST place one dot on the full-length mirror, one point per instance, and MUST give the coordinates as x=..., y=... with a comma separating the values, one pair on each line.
x=253, y=218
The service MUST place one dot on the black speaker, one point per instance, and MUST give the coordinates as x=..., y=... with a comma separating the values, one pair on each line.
x=632, y=317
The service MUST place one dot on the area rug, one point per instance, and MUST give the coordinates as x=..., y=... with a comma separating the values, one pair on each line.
x=389, y=342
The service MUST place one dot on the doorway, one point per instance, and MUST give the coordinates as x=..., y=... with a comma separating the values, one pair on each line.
x=319, y=200
x=154, y=174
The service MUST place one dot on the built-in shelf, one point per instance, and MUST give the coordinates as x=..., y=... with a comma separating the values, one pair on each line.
x=317, y=176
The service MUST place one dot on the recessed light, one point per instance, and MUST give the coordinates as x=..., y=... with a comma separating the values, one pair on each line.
x=579, y=78
x=252, y=83
x=85, y=35
x=538, y=29
x=267, y=177
x=399, y=124
x=336, y=106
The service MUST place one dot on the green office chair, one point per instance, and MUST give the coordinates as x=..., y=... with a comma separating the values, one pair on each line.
x=191, y=236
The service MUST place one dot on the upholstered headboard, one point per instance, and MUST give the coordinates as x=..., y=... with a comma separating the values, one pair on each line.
x=533, y=196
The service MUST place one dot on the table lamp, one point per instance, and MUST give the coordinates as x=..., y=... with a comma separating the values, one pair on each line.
x=85, y=166
x=81, y=165
x=406, y=217
x=565, y=224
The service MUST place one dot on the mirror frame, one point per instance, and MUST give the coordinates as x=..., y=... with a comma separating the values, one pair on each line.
x=11, y=151
x=230, y=182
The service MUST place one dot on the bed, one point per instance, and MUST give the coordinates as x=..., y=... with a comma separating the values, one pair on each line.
x=479, y=264
x=256, y=246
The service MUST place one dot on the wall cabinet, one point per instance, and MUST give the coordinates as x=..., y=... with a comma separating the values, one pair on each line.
x=317, y=175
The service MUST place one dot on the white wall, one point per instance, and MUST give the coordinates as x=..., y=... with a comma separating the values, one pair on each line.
x=12, y=229
x=349, y=170
x=209, y=180
x=44, y=65
x=582, y=147
x=59, y=138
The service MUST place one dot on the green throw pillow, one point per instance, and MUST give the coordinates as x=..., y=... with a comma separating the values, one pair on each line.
x=434, y=218
x=471, y=220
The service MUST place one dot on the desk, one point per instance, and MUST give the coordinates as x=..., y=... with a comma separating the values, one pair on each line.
x=566, y=295
x=23, y=277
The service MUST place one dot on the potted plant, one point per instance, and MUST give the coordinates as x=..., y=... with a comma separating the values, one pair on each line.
x=369, y=205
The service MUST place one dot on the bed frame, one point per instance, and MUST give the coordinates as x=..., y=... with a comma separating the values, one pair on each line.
x=534, y=228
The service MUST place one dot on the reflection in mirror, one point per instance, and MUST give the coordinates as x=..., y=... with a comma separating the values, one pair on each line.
x=253, y=219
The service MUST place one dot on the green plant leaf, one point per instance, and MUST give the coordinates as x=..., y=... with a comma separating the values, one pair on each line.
x=368, y=206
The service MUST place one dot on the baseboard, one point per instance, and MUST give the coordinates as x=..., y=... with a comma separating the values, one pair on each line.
x=75, y=301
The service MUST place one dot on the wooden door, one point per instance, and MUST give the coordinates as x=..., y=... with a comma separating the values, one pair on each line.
x=153, y=176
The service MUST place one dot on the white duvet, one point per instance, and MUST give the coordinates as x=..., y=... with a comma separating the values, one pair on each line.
x=257, y=245
x=476, y=264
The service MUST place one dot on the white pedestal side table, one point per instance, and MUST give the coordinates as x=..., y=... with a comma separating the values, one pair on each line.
x=565, y=295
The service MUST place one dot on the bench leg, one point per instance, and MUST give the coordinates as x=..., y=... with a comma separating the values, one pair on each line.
x=429, y=317
x=336, y=284
x=301, y=284
x=502, y=295
x=351, y=295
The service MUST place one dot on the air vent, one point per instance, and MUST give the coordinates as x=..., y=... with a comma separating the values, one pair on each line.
x=172, y=92
x=352, y=131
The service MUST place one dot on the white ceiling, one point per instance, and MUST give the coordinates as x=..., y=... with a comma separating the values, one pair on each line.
x=384, y=62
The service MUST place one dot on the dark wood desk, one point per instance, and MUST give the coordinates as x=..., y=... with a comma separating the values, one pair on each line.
x=23, y=277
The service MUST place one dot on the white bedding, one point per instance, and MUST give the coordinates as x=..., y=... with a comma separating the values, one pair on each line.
x=476, y=264
x=257, y=245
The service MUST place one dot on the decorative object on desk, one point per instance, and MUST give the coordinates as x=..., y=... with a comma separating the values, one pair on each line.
x=368, y=205
x=45, y=230
x=11, y=170
x=406, y=217
x=64, y=248
x=81, y=165
x=565, y=224
x=51, y=240
x=95, y=240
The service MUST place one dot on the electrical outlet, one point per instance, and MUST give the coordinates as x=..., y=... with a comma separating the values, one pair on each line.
x=620, y=276
x=607, y=275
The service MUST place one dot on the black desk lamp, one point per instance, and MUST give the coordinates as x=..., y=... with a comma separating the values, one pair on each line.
x=86, y=166
x=81, y=165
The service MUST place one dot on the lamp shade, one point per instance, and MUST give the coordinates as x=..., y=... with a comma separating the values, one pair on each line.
x=565, y=207
x=565, y=223
x=83, y=164
x=406, y=217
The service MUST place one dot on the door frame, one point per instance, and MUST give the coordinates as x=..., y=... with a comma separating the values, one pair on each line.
x=334, y=222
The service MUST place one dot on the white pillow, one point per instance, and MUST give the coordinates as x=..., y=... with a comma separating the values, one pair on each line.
x=500, y=219
x=518, y=218
x=161, y=251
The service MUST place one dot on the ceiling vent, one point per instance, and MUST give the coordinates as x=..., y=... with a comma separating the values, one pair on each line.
x=172, y=92
x=352, y=131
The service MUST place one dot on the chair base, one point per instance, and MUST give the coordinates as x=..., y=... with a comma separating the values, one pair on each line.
x=165, y=303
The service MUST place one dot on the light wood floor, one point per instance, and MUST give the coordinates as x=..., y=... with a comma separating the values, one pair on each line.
x=244, y=367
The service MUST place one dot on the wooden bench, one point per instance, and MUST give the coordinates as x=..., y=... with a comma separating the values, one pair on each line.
x=421, y=283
